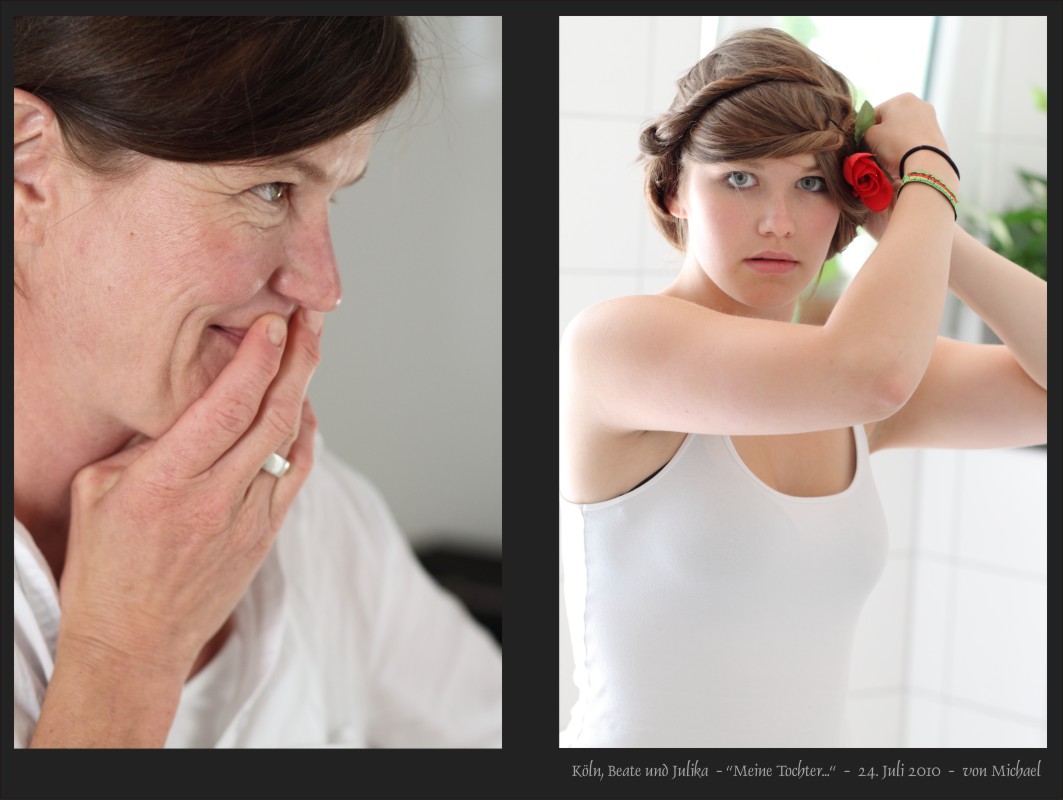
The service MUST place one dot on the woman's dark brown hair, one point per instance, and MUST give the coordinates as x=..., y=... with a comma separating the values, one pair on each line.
x=210, y=89
x=759, y=94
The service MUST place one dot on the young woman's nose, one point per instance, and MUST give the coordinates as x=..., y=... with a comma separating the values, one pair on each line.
x=776, y=216
x=308, y=274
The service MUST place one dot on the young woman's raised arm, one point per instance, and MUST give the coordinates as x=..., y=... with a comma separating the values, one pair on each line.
x=982, y=395
x=895, y=303
x=1011, y=300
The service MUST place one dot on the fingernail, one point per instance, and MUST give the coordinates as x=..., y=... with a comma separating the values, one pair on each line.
x=276, y=331
x=314, y=319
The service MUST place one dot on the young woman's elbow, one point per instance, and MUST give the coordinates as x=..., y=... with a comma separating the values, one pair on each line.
x=875, y=385
x=891, y=392
x=881, y=386
x=892, y=386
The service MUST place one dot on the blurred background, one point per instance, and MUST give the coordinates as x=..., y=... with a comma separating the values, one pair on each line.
x=952, y=646
x=409, y=391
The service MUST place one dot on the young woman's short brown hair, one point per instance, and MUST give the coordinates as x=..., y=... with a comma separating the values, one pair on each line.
x=759, y=94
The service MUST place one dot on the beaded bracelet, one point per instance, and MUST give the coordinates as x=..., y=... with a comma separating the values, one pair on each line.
x=941, y=153
x=931, y=180
x=937, y=182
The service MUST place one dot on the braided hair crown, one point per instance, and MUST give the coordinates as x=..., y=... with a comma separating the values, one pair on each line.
x=759, y=94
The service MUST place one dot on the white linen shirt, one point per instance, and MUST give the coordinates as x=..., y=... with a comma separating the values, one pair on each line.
x=342, y=640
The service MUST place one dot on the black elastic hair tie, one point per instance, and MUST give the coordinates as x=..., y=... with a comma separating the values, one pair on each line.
x=941, y=153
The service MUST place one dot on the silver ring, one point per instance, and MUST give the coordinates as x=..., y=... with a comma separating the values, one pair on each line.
x=276, y=465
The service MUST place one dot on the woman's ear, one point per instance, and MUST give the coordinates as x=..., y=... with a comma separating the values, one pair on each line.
x=675, y=207
x=38, y=144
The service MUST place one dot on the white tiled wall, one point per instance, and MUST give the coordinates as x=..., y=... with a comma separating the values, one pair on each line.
x=951, y=647
x=977, y=646
x=607, y=92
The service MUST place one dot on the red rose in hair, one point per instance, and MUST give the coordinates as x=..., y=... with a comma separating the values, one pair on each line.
x=868, y=180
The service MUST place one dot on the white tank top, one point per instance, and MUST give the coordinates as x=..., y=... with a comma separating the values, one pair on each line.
x=707, y=609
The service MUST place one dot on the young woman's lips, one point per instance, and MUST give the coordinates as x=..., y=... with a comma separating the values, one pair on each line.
x=771, y=263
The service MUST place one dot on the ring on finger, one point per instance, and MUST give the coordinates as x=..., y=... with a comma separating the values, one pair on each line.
x=276, y=465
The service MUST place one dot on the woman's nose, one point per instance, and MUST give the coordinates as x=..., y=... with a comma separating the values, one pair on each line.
x=776, y=218
x=309, y=274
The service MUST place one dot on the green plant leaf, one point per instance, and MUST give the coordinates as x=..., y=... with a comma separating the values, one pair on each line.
x=1040, y=98
x=1000, y=231
x=865, y=118
x=1036, y=185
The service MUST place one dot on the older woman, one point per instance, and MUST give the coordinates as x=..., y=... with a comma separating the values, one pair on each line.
x=192, y=568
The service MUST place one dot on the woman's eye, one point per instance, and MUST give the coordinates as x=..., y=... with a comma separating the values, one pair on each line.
x=271, y=192
x=812, y=183
x=740, y=180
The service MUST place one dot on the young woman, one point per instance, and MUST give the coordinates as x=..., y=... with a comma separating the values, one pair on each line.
x=720, y=526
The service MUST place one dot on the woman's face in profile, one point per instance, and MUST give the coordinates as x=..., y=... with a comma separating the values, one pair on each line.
x=147, y=284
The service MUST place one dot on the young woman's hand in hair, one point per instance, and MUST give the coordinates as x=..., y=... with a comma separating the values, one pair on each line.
x=901, y=123
x=166, y=535
x=877, y=221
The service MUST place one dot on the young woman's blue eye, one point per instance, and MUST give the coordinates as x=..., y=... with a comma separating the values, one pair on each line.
x=741, y=180
x=813, y=183
x=271, y=192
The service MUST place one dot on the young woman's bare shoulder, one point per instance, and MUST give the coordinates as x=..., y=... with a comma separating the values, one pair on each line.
x=619, y=315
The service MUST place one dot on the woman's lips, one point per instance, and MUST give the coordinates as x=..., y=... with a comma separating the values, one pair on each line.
x=772, y=266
